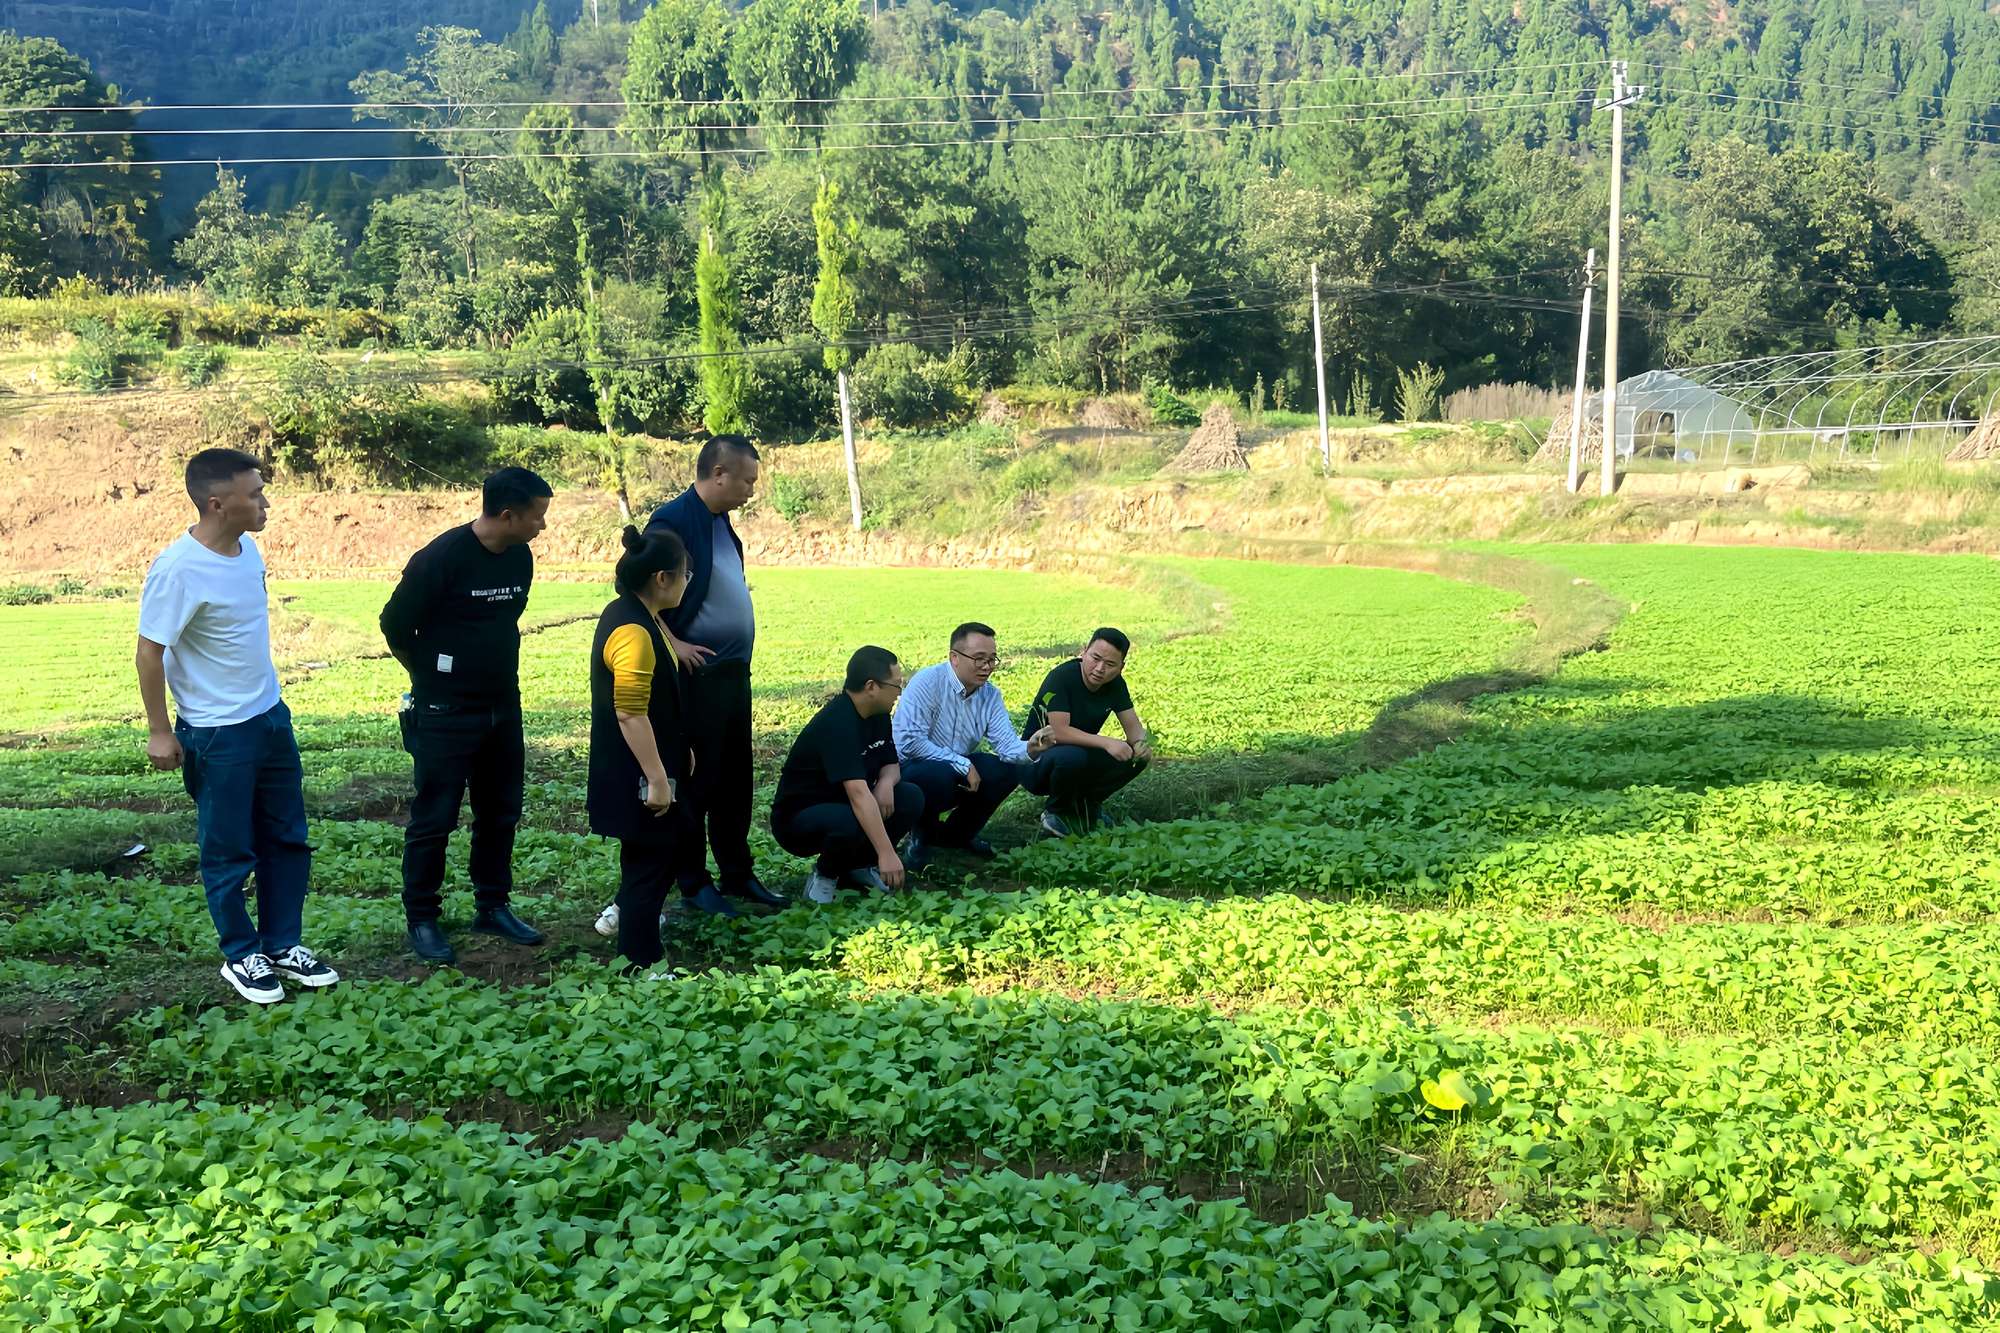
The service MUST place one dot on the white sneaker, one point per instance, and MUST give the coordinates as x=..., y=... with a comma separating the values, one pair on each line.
x=254, y=980
x=607, y=922
x=819, y=889
x=298, y=964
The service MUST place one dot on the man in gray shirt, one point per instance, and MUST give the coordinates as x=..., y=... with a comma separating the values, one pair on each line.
x=712, y=632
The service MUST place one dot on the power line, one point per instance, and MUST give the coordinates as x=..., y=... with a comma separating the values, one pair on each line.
x=1883, y=115
x=1807, y=121
x=988, y=324
x=813, y=149
x=959, y=122
x=1346, y=74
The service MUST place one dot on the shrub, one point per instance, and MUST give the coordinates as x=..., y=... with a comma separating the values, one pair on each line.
x=1169, y=408
x=903, y=386
x=198, y=364
x=1417, y=392
x=24, y=594
x=790, y=395
x=105, y=357
x=794, y=496
x=1032, y=474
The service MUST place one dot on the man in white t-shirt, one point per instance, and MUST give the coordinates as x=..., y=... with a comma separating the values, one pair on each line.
x=205, y=634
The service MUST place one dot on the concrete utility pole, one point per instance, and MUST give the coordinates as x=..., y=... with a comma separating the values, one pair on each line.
x=1319, y=367
x=1582, y=355
x=1622, y=96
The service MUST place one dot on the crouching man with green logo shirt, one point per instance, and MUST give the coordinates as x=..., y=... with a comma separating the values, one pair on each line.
x=1081, y=769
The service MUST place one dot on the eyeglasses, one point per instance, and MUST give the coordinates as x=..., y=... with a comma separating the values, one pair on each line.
x=986, y=661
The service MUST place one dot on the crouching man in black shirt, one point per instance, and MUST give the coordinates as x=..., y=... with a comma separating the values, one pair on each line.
x=1081, y=770
x=455, y=623
x=841, y=794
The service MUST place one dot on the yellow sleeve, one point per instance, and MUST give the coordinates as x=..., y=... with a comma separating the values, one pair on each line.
x=629, y=653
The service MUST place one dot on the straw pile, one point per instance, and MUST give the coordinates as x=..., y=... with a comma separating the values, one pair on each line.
x=1110, y=414
x=1555, y=449
x=1215, y=446
x=1983, y=443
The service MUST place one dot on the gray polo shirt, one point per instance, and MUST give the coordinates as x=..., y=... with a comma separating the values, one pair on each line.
x=725, y=621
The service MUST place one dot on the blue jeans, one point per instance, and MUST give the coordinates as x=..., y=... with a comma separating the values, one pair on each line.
x=250, y=818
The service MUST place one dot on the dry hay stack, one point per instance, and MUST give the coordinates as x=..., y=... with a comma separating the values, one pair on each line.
x=1555, y=448
x=1216, y=445
x=1982, y=444
x=1110, y=414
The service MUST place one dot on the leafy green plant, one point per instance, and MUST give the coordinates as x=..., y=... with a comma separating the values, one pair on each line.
x=1169, y=408
x=792, y=496
x=1417, y=392
x=199, y=364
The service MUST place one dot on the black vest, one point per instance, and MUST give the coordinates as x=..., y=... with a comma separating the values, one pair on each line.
x=613, y=799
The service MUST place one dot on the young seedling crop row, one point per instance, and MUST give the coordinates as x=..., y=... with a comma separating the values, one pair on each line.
x=1886, y=1143
x=1937, y=982
x=170, y=1216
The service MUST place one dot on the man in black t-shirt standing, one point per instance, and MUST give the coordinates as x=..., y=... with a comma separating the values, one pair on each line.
x=841, y=795
x=454, y=622
x=1082, y=769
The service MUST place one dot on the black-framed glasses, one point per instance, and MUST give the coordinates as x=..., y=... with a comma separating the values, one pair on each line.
x=983, y=661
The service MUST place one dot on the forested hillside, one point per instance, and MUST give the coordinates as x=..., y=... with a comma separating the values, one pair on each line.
x=1111, y=197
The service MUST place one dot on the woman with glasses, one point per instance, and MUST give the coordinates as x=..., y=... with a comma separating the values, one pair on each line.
x=639, y=752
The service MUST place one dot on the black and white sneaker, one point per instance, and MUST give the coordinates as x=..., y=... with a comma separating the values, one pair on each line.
x=254, y=980
x=298, y=964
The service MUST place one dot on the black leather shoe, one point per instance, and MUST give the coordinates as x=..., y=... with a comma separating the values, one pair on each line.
x=709, y=899
x=751, y=891
x=427, y=942
x=979, y=847
x=501, y=921
x=916, y=853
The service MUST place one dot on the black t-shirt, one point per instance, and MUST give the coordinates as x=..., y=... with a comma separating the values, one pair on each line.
x=838, y=746
x=455, y=620
x=1063, y=691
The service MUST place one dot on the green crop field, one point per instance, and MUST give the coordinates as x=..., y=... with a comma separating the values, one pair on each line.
x=1661, y=991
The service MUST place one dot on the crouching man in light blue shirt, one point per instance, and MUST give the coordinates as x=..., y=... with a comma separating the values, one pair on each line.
x=946, y=712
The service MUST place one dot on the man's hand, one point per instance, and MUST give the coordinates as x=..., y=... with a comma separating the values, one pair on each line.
x=163, y=750
x=1118, y=750
x=1142, y=748
x=1041, y=742
x=970, y=778
x=890, y=867
x=659, y=796
x=691, y=655
x=885, y=801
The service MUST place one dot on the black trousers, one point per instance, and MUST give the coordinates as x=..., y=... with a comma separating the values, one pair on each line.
x=456, y=750
x=968, y=810
x=718, y=793
x=645, y=872
x=833, y=834
x=1078, y=780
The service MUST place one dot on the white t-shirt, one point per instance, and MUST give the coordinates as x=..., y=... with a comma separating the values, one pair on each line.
x=211, y=614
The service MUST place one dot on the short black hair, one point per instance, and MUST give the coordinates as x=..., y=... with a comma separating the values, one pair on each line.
x=969, y=628
x=512, y=488
x=1115, y=637
x=712, y=450
x=654, y=551
x=211, y=468
x=868, y=663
